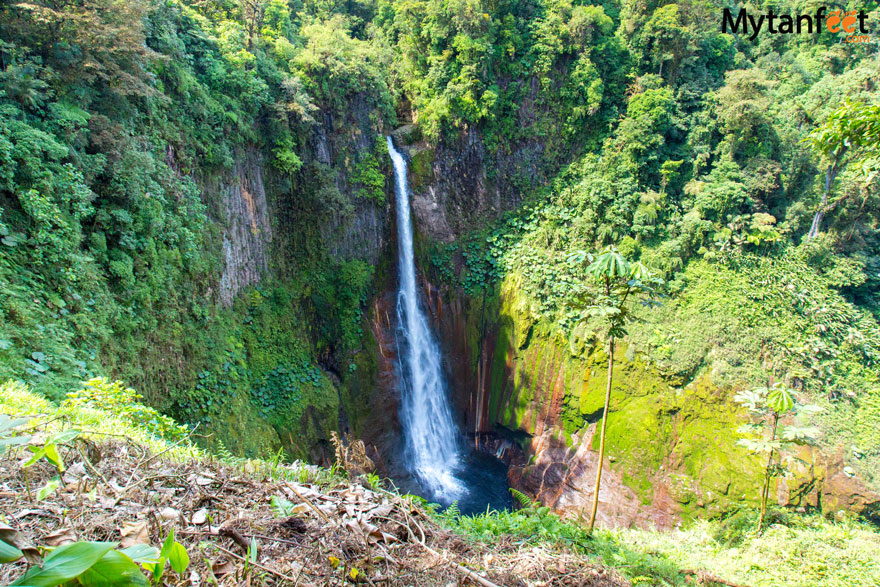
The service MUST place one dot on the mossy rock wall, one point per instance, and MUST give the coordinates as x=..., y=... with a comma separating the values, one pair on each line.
x=673, y=442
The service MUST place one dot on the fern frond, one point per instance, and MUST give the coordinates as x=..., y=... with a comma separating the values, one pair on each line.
x=524, y=500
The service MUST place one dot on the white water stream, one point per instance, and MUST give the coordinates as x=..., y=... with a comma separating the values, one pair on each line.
x=431, y=440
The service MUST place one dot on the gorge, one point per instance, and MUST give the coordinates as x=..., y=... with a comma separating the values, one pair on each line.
x=202, y=202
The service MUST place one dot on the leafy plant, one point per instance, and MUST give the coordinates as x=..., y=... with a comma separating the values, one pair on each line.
x=49, y=449
x=89, y=564
x=617, y=281
x=765, y=436
x=173, y=553
x=8, y=426
x=101, y=393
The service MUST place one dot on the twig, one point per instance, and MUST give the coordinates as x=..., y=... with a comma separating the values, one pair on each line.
x=258, y=565
x=308, y=502
x=273, y=539
x=236, y=537
x=92, y=467
x=125, y=490
x=465, y=571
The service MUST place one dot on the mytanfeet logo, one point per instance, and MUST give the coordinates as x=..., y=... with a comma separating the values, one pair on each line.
x=852, y=25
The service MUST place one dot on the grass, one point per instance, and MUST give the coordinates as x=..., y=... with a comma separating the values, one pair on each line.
x=17, y=400
x=808, y=552
x=796, y=551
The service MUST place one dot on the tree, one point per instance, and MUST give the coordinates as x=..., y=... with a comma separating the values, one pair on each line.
x=851, y=134
x=253, y=12
x=767, y=406
x=619, y=282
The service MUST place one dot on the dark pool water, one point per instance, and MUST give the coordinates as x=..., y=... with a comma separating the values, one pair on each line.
x=484, y=478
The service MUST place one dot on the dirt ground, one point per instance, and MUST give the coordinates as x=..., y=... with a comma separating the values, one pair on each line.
x=321, y=530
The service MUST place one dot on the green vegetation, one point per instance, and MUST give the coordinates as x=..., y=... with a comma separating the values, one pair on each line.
x=768, y=405
x=703, y=176
x=793, y=551
x=193, y=201
x=18, y=400
x=122, y=126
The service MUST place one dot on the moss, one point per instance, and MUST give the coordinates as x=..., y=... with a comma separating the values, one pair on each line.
x=658, y=433
x=241, y=430
x=421, y=168
x=502, y=359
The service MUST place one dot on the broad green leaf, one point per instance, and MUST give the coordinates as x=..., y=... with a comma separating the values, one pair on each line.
x=800, y=434
x=780, y=399
x=112, y=570
x=142, y=553
x=252, y=551
x=39, y=453
x=12, y=441
x=14, y=538
x=9, y=553
x=65, y=563
x=610, y=264
x=51, y=452
x=63, y=436
x=178, y=558
x=639, y=272
x=158, y=569
x=752, y=399
x=7, y=423
x=167, y=546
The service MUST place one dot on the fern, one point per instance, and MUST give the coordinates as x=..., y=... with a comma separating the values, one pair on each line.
x=452, y=511
x=524, y=500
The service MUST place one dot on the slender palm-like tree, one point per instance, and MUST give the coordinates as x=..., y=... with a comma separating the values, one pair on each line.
x=619, y=282
x=768, y=405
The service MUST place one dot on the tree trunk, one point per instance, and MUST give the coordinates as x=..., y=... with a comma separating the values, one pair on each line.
x=602, y=434
x=765, y=491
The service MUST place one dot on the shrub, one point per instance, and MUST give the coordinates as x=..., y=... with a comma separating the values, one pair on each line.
x=125, y=402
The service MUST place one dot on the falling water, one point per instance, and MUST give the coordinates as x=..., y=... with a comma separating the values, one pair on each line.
x=431, y=438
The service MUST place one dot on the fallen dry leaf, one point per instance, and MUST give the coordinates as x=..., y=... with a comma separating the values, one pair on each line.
x=222, y=568
x=134, y=532
x=59, y=537
x=18, y=540
x=200, y=517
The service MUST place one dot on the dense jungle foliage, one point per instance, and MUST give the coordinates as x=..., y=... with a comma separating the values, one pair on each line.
x=692, y=150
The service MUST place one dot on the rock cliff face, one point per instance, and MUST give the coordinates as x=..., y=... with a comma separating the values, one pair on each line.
x=461, y=185
x=258, y=205
x=671, y=447
x=363, y=232
x=267, y=221
x=518, y=389
x=247, y=233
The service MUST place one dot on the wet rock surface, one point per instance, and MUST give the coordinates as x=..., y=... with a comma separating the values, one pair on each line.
x=248, y=233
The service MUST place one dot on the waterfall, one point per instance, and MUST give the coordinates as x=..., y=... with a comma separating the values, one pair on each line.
x=431, y=448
